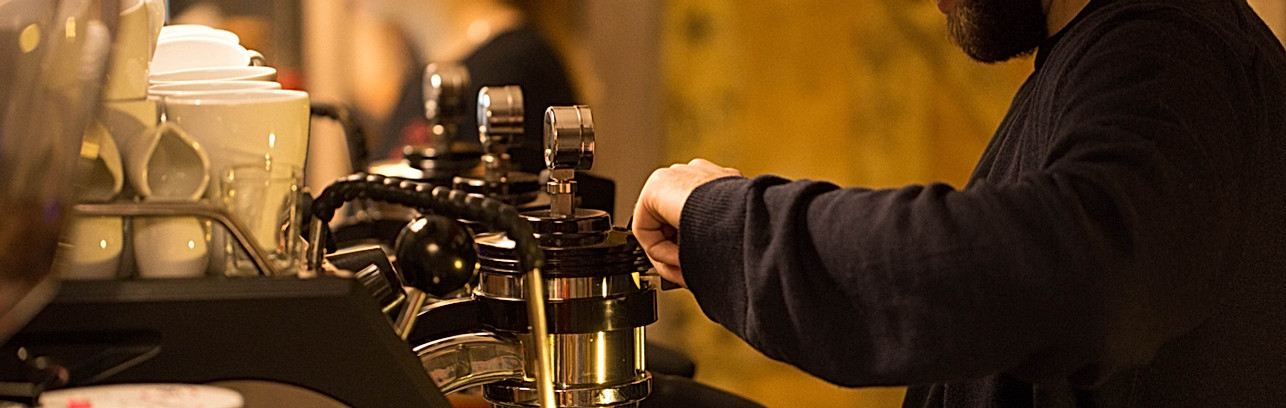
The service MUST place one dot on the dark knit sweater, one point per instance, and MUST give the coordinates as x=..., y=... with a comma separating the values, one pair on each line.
x=1122, y=242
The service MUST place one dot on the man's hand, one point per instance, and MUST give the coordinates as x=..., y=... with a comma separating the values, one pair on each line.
x=656, y=215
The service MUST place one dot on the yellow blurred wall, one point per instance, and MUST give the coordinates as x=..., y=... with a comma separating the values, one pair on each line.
x=856, y=92
x=868, y=92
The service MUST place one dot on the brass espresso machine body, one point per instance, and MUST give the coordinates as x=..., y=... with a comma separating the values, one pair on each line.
x=598, y=298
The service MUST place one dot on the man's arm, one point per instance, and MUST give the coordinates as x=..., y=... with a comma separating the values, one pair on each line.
x=1086, y=264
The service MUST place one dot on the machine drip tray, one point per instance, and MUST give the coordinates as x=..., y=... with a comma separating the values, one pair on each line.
x=323, y=334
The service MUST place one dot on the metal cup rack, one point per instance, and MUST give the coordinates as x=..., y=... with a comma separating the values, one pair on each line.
x=199, y=210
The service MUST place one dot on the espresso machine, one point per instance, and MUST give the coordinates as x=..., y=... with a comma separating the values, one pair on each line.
x=582, y=281
x=445, y=157
x=481, y=167
x=500, y=119
x=597, y=293
x=568, y=267
x=502, y=281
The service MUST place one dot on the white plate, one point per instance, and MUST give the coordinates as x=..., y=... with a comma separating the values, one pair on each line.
x=142, y=396
x=215, y=74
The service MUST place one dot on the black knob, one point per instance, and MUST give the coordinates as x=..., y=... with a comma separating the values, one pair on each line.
x=435, y=254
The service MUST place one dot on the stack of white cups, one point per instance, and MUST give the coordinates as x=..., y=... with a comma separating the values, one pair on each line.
x=191, y=53
x=224, y=99
x=186, y=107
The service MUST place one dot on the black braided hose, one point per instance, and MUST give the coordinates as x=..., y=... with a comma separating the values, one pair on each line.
x=459, y=205
x=426, y=198
x=354, y=132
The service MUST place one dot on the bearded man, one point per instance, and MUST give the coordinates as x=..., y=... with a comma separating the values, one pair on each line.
x=1121, y=242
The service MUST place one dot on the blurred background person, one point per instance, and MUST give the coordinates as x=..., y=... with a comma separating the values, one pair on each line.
x=496, y=42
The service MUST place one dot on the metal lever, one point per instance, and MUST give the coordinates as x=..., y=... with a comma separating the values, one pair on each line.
x=569, y=146
x=500, y=118
x=235, y=228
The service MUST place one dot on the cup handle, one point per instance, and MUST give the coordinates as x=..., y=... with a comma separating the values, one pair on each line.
x=256, y=58
x=107, y=176
x=180, y=150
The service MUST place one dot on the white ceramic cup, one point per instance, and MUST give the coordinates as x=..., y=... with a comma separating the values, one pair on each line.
x=93, y=248
x=157, y=12
x=179, y=88
x=106, y=175
x=175, y=54
x=160, y=162
x=170, y=247
x=198, y=31
x=261, y=127
x=215, y=74
x=127, y=71
x=245, y=127
x=171, y=166
x=179, y=29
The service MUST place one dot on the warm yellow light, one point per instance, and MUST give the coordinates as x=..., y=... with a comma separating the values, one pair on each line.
x=601, y=351
x=29, y=38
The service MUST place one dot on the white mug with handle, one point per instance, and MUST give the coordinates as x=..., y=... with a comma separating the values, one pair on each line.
x=198, y=31
x=244, y=127
x=106, y=175
x=92, y=248
x=162, y=163
x=170, y=247
x=264, y=128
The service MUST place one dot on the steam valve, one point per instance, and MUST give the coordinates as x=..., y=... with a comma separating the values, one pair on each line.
x=500, y=121
x=500, y=114
x=569, y=146
x=445, y=87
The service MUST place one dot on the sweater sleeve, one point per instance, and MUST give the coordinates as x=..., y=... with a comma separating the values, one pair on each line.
x=1083, y=264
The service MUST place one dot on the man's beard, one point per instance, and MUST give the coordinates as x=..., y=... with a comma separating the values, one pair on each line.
x=997, y=30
